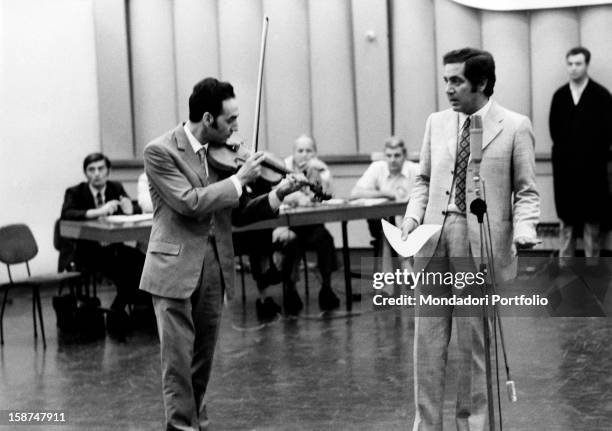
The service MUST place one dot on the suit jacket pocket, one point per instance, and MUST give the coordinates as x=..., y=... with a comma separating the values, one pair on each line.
x=164, y=248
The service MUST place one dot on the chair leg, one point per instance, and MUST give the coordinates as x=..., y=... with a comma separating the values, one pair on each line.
x=305, y=262
x=40, y=317
x=242, y=278
x=34, y=312
x=2, y=317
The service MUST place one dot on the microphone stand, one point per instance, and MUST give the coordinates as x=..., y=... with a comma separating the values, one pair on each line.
x=478, y=207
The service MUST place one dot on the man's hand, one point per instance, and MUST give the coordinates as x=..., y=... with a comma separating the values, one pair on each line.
x=126, y=205
x=291, y=183
x=316, y=164
x=525, y=242
x=109, y=208
x=408, y=225
x=251, y=170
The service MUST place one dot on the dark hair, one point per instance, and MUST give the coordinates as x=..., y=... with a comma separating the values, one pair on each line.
x=208, y=96
x=579, y=50
x=95, y=157
x=479, y=66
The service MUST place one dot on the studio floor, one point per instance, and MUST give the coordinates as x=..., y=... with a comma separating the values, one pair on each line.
x=311, y=373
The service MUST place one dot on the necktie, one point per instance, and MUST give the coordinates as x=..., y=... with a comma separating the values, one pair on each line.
x=202, y=156
x=463, y=154
x=99, y=200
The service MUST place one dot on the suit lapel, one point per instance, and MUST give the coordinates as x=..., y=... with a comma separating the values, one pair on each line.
x=451, y=132
x=492, y=124
x=186, y=151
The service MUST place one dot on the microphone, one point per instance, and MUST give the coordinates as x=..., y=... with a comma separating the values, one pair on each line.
x=476, y=138
x=478, y=206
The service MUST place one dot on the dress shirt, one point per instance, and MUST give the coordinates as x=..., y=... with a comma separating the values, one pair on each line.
x=577, y=90
x=378, y=177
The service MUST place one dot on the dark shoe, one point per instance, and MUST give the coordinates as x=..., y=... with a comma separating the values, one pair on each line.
x=266, y=310
x=327, y=299
x=117, y=324
x=292, y=302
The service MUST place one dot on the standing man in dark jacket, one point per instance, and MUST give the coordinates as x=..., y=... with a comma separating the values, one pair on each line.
x=581, y=130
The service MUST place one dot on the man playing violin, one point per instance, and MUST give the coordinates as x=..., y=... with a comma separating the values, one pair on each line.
x=304, y=160
x=189, y=264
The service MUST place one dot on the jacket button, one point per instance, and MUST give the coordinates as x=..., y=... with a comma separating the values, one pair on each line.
x=443, y=212
x=452, y=172
x=447, y=192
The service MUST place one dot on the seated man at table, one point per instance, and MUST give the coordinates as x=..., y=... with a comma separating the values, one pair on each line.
x=260, y=248
x=99, y=197
x=313, y=237
x=391, y=178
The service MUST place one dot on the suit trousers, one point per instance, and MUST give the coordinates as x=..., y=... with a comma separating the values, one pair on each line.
x=188, y=331
x=432, y=336
x=591, y=240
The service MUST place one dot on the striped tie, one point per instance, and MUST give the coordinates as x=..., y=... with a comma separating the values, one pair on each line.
x=463, y=154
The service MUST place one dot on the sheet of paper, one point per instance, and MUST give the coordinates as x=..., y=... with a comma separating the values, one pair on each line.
x=369, y=201
x=415, y=241
x=128, y=218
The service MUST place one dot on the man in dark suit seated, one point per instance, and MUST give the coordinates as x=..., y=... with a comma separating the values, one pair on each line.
x=100, y=197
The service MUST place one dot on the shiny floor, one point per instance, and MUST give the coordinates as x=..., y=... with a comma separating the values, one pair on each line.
x=312, y=373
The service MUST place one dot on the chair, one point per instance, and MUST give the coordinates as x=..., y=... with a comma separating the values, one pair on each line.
x=17, y=245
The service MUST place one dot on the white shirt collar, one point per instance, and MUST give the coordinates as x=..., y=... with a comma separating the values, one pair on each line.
x=482, y=112
x=195, y=144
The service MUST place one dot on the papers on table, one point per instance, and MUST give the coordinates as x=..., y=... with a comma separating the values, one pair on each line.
x=416, y=240
x=369, y=201
x=333, y=201
x=128, y=218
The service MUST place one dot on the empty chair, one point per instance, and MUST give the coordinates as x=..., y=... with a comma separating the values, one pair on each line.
x=17, y=245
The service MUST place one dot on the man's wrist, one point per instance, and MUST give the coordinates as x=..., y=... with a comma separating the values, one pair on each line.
x=237, y=184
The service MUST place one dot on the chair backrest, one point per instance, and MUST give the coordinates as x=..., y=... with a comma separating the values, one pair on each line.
x=17, y=244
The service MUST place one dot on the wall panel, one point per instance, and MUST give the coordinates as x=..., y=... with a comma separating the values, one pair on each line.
x=49, y=118
x=371, y=51
x=596, y=35
x=196, y=46
x=331, y=76
x=240, y=24
x=113, y=74
x=414, y=69
x=553, y=32
x=287, y=74
x=456, y=27
x=153, y=69
x=506, y=36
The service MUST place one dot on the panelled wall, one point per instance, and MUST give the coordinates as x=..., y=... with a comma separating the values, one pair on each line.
x=348, y=72
x=84, y=75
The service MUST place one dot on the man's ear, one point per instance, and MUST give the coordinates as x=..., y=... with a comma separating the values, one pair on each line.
x=481, y=87
x=208, y=119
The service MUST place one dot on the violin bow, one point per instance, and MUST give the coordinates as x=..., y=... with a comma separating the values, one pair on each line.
x=264, y=35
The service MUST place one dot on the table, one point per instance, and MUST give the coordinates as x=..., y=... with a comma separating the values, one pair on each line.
x=104, y=231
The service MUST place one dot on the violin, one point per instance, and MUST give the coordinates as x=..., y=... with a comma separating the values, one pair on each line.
x=227, y=157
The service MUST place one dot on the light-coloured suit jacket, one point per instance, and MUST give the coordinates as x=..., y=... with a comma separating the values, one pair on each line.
x=507, y=169
x=188, y=207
